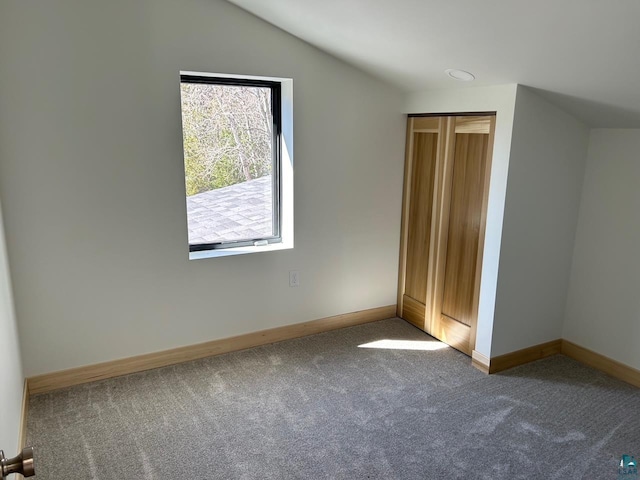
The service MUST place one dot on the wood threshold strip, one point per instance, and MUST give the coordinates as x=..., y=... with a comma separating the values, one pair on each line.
x=91, y=373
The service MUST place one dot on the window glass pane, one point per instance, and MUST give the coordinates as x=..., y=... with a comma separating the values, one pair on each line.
x=228, y=156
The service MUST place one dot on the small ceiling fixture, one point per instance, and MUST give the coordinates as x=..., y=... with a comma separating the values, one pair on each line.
x=460, y=75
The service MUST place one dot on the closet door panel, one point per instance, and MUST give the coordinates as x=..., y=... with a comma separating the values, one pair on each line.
x=465, y=214
x=423, y=166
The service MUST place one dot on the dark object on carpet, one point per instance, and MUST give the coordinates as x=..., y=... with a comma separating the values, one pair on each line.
x=319, y=407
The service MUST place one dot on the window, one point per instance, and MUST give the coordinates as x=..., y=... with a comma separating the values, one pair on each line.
x=232, y=142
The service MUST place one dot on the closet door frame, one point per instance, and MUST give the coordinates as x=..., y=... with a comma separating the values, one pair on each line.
x=483, y=228
x=404, y=225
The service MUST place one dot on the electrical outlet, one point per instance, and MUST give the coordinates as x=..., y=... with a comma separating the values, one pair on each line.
x=294, y=278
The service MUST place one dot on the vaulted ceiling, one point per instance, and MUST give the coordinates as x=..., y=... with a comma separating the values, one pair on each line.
x=583, y=55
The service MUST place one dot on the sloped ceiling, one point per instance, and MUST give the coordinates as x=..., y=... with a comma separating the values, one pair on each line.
x=583, y=55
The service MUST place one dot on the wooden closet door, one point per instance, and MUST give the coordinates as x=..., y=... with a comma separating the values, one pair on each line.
x=465, y=214
x=455, y=307
x=422, y=150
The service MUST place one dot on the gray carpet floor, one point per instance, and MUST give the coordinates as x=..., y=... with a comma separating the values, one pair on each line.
x=319, y=407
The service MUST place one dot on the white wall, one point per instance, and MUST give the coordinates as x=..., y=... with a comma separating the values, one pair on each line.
x=500, y=99
x=603, y=305
x=92, y=183
x=12, y=379
x=546, y=170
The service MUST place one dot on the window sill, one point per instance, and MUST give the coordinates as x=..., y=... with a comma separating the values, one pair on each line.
x=239, y=251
